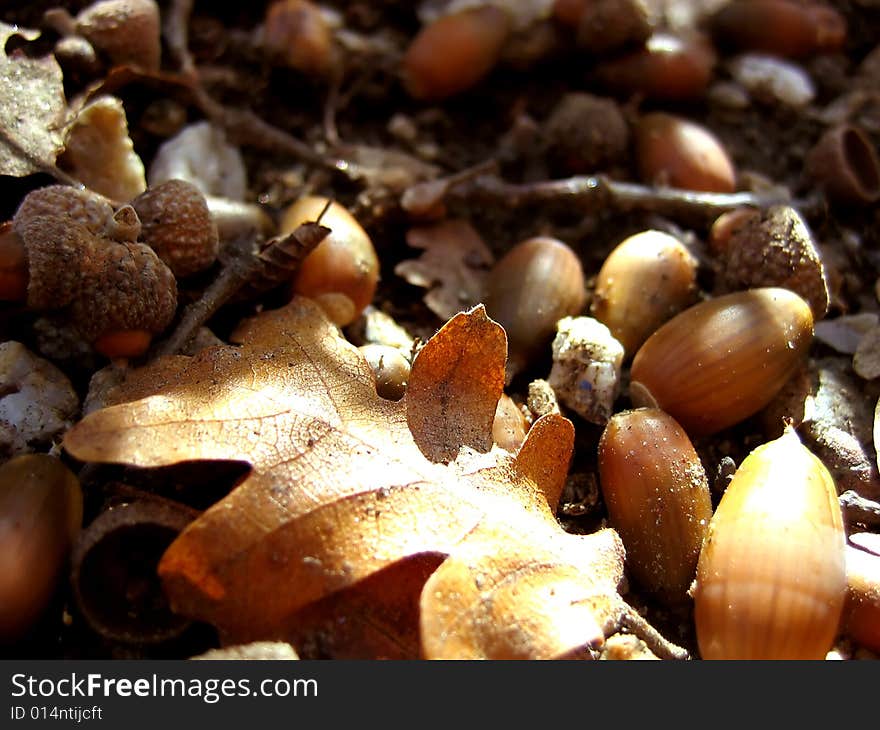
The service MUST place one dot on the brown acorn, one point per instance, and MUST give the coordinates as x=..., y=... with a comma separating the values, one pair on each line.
x=342, y=273
x=668, y=67
x=722, y=360
x=455, y=52
x=678, y=153
x=861, y=612
x=534, y=285
x=647, y=279
x=771, y=578
x=657, y=495
x=790, y=28
x=41, y=512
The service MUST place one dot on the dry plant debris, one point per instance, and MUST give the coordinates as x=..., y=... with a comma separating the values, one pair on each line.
x=360, y=502
x=345, y=485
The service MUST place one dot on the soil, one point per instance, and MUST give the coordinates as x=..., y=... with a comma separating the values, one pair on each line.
x=501, y=120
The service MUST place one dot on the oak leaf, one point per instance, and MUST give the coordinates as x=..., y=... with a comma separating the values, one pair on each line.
x=397, y=520
x=32, y=108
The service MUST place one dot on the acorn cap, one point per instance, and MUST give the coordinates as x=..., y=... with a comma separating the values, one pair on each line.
x=177, y=224
x=124, y=286
x=84, y=206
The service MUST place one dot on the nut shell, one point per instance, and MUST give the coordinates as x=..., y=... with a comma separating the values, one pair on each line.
x=533, y=286
x=647, y=279
x=771, y=578
x=722, y=360
x=126, y=30
x=657, y=495
x=861, y=613
x=846, y=164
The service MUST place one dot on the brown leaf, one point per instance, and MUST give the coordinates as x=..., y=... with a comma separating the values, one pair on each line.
x=453, y=267
x=32, y=108
x=341, y=499
x=455, y=384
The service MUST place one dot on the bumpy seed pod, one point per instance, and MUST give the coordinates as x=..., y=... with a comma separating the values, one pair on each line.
x=647, y=279
x=391, y=369
x=791, y=28
x=846, y=164
x=585, y=132
x=534, y=285
x=771, y=579
x=681, y=154
x=341, y=274
x=657, y=495
x=178, y=226
x=667, y=67
x=40, y=515
x=455, y=52
x=722, y=360
x=861, y=612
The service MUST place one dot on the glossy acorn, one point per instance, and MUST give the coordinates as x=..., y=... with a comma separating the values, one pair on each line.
x=789, y=28
x=676, y=152
x=342, y=273
x=668, y=67
x=455, y=52
x=41, y=508
x=648, y=278
x=534, y=285
x=657, y=496
x=861, y=612
x=722, y=360
x=390, y=368
x=771, y=578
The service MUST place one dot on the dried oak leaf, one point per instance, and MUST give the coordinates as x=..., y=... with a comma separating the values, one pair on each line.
x=344, y=510
x=32, y=108
x=453, y=267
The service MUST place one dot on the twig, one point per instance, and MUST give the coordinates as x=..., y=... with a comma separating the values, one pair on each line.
x=653, y=639
x=245, y=267
x=858, y=509
x=175, y=28
x=592, y=193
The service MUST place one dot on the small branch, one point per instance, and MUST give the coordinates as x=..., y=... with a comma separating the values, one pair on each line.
x=175, y=28
x=592, y=193
x=245, y=267
x=653, y=639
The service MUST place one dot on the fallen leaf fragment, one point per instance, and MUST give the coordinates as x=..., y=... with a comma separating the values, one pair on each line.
x=453, y=267
x=342, y=499
x=32, y=108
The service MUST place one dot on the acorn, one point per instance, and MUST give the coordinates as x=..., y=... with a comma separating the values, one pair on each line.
x=342, y=273
x=845, y=163
x=657, y=495
x=678, y=153
x=668, y=67
x=41, y=509
x=861, y=612
x=771, y=579
x=789, y=28
x=647, y=279
x=721, y=361
x=390, y=368
x=533, y=286
x=455, y=52
x=296, y=34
